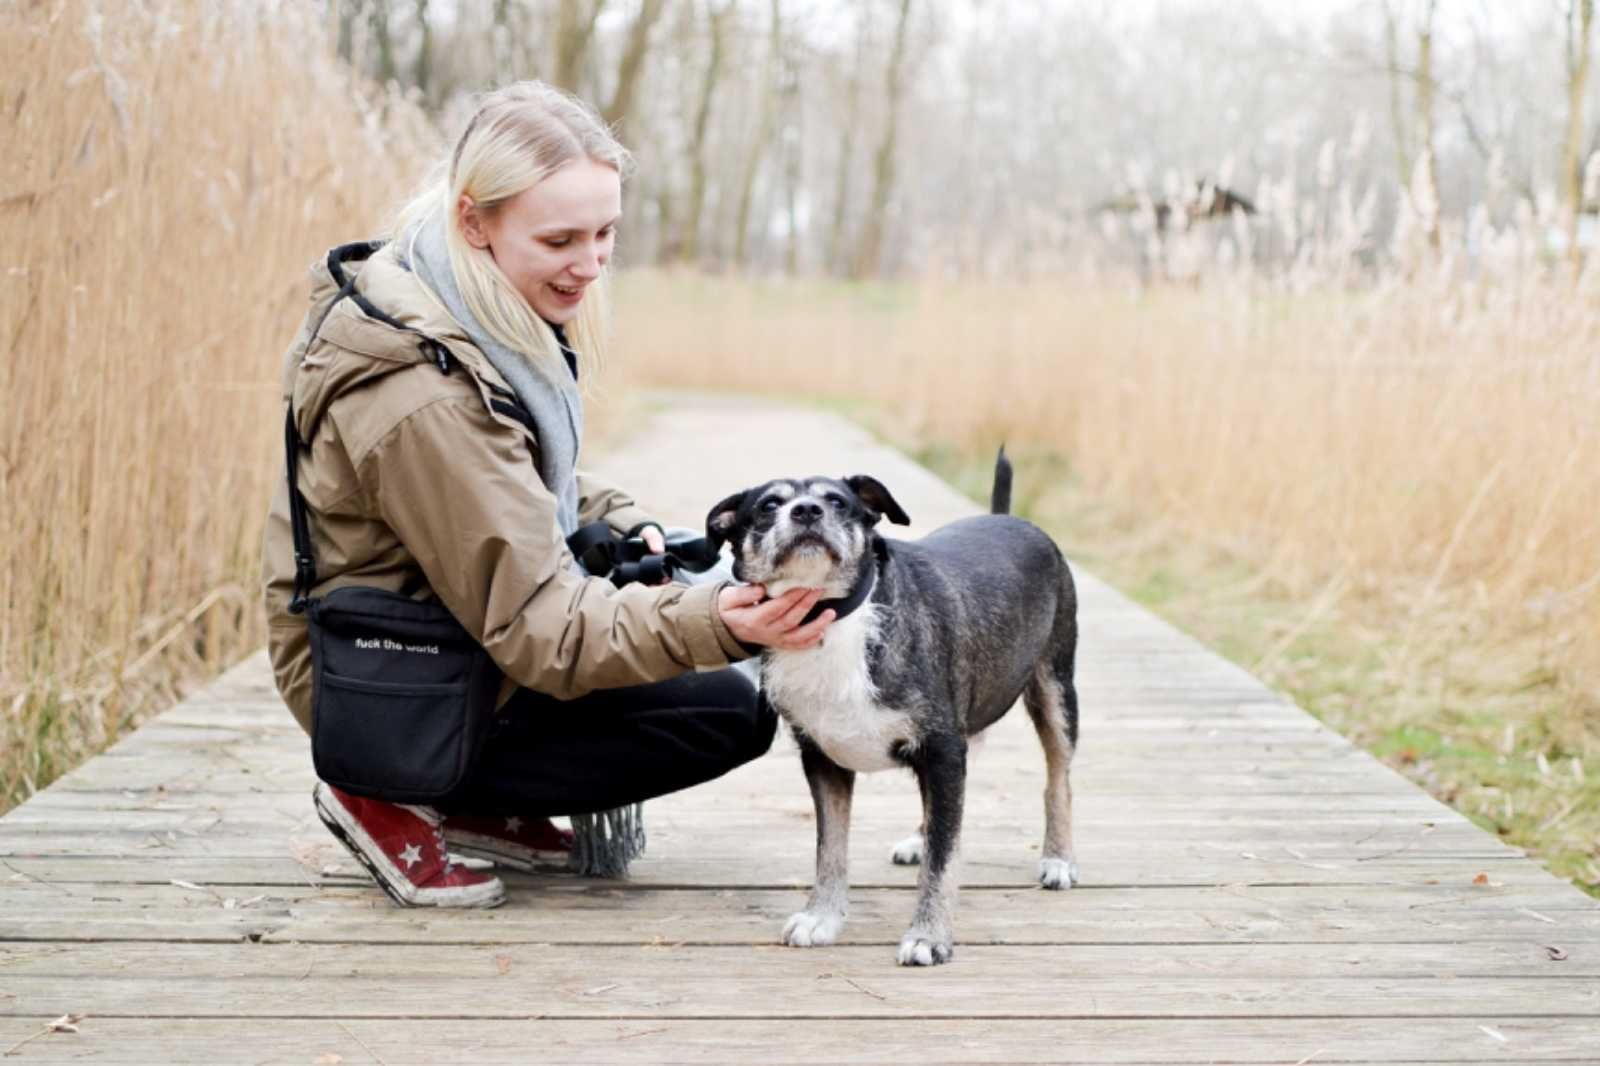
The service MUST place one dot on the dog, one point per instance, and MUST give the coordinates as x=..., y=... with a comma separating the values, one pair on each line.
x=934, y=640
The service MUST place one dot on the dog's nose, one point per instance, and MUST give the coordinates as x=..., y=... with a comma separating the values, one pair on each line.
x=806, y=513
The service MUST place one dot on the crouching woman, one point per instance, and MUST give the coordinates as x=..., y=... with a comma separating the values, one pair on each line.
x=432, y=427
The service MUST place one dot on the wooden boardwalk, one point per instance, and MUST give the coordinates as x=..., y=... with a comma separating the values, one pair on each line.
x=1255, y=889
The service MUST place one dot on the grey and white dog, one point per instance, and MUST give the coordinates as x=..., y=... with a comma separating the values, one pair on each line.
x=934, y=642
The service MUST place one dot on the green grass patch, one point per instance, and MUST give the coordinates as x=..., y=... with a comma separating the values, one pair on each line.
x=1485, y=728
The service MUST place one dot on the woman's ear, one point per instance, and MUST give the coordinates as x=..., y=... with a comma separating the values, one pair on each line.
x=472, y=222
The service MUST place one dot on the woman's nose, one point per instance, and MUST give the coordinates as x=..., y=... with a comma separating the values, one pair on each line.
x=589, y=263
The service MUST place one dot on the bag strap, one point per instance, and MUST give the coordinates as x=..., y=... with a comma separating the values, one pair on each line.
x=305, y=564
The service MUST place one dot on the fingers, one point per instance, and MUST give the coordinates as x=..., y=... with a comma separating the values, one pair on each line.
x=807, y=635
x=653, y=540
x=735, y=596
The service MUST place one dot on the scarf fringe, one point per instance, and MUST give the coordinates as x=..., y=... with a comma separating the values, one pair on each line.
x=605, y=843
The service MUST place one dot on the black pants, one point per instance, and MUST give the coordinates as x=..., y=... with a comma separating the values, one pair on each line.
x=614, y=747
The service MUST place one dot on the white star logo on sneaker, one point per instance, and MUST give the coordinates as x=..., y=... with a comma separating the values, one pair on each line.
x=513, y=824
x=412, y=855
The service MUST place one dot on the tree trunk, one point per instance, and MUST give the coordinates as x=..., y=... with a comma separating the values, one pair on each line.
x=870, y=252
x=763, y=139
x=347, y=18
x=1580, y=18
x=689, y=245
x=632, y=63
x=1397, y=118
x=574, y=31
x=835, y=254
x=1425, y=87
x=378, y=20
x=424, y=71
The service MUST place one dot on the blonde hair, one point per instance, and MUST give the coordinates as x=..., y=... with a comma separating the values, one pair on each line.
x=519, y=135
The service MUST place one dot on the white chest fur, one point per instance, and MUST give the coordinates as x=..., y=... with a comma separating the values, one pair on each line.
x=826, y=691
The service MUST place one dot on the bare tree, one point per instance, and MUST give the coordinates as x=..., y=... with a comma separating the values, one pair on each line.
x=689, y=246
x=423, y=74
x=575, y=23
x=835, y=254
x=1579, y=20
x=632, y=63
x=766, y=127
x=378, y=24
x=870, y=250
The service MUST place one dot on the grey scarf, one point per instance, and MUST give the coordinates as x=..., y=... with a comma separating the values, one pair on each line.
x=607, y=841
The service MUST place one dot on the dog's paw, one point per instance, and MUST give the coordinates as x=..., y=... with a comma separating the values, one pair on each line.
x=908, y=852
x=810, y=929
x=1058, y=873
x=919, y=948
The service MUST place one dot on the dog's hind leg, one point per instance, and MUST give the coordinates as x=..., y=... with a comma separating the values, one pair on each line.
x=1052, y=703
x=831, y=789
x=908, y=852
x=941, y=767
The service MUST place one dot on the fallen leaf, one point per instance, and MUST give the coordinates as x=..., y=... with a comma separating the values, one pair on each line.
x=502, y=963
x=1481, y=879
x=1556, y=954
x=67, y=1023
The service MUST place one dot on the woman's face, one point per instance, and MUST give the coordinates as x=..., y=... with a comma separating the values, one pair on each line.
x=552, y=239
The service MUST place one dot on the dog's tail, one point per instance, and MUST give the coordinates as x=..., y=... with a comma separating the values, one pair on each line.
x=1000, y=498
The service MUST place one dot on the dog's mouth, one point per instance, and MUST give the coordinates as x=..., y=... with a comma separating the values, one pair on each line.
x=807, y=542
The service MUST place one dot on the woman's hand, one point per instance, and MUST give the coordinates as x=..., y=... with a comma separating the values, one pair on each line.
x=654, y=542
x=774, y=623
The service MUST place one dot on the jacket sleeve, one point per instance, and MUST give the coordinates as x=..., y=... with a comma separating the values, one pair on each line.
x=599, y=500
x=461, y=493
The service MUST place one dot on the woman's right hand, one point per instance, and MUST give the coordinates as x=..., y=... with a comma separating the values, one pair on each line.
x=774, y=623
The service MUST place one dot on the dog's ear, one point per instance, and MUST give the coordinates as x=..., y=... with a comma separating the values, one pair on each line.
x=870, y=491
x=723, y=519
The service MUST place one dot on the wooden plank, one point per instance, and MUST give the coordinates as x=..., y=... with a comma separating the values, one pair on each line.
x=581, y=912
x=516, y=1040
x=325, y=860
x=764, y=985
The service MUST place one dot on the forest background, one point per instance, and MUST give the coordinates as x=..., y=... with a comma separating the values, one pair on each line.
x=1289, y=316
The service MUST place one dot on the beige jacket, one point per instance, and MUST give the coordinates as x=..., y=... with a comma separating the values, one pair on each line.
x=414, y=483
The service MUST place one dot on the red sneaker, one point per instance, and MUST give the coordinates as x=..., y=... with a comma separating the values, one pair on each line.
x=403, y=848
x=521, y=843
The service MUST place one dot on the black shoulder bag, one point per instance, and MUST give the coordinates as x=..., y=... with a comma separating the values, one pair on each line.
x=401, y=694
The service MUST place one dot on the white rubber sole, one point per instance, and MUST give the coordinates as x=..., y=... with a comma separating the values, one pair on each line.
x=479, y=846
x=395, y=884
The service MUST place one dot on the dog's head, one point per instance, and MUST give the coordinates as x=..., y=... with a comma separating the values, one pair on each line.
x=810, y=532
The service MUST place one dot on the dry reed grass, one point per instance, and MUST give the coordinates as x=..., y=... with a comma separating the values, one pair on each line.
x=1407, y=470
x=172, y=169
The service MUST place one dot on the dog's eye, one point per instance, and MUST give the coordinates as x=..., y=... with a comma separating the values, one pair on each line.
x=836, y=502
x=769, y=504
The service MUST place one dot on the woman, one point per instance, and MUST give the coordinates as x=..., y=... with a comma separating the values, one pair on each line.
x=423, y=477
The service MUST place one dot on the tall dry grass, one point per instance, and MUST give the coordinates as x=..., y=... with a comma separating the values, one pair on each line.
x=1427, y=443
x=171, y=170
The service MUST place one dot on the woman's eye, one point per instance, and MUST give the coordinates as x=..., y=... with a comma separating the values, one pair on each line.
x=557, y=242
x=606, y=233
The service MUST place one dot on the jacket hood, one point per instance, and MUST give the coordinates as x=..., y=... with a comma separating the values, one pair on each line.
x=369, y=317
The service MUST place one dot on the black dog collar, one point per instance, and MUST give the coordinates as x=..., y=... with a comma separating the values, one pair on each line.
x=851, y=601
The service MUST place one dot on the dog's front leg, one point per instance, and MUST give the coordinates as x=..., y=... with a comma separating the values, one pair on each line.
x=941, y=767
x=831, y=788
